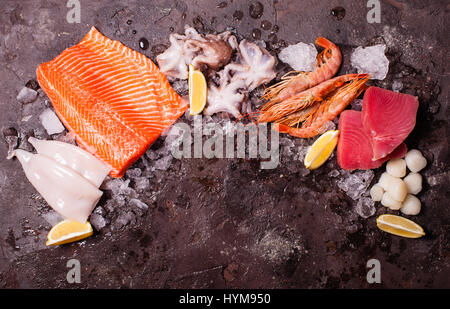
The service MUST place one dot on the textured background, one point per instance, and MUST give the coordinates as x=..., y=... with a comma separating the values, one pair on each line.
x=225, y=223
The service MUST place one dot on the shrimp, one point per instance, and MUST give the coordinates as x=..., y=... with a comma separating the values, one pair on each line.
x=323, y=112
x=328, y=63
x=302, y=100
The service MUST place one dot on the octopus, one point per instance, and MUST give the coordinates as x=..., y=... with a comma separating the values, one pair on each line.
x=254, y=67
x=203, y=52
x=229, y=81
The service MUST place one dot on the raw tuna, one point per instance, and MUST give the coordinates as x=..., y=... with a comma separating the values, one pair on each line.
x=387, y=117
x=354, y=148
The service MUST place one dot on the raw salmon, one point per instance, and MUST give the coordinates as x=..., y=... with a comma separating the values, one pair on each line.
x=354, y=148
x=388, y=117
x=114, y=99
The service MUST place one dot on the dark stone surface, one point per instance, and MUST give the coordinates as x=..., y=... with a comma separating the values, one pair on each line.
x=219, y=222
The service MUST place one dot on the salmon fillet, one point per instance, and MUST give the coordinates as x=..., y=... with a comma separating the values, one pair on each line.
x=114, y=99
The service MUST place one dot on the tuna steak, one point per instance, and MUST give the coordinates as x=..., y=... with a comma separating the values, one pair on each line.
x=387, y=117
x=354, y=148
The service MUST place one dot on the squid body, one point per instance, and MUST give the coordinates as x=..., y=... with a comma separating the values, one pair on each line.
x=66, y=176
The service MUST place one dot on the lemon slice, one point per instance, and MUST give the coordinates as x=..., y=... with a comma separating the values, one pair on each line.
x=68, y=231
x=321, y=150
x=197, y=91
x=399, y=226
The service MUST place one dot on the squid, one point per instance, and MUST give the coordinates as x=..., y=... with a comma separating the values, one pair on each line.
x=66, y=191
x=73, y=157
x=66, y=176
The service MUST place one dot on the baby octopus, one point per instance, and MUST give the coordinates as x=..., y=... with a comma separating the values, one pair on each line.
x=255, y=66
x=227, y=88
x=209, y=51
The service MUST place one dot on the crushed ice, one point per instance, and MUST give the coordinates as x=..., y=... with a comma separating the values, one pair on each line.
x=371, y=60
x=301, y=56
x=357, y=105
x=397, y=85
x=27, y=95
x=51, y=122
x=122, y=195
x=356, y=186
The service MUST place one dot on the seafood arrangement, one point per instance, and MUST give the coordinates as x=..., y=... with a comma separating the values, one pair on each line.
x=117, y=102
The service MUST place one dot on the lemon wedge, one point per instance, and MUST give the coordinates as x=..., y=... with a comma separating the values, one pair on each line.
x=68, y=231
x=321, y=150
x=197, y=91
x=399, y=226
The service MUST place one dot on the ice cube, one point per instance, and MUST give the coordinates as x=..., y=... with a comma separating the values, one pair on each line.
x=139, y=204
x=134, y=173
x=174, y=137
x=163, y=163
x=65, y=138
x=52, y=217
x=124, y=219
x=141, y=184
x=180, y=86
x=365, y=207
x=357, y=104
x=27, y=95
x=114, y=184
x=333, y=173
x=301, y=56
x=397, y=86
x=12, y=142
x=371, y=60
x=51, y=122
x=97, y=221
x=355, y=184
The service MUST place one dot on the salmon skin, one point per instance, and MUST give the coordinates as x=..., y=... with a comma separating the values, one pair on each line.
x=114, y=99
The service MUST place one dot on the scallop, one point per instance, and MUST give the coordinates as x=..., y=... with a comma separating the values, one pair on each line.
x=396, y=167
x=376, y=192
x=397, y=189
x=390, y=202
x=385, y=181
x=413, y=183
x=415, y=160
x=411, y=205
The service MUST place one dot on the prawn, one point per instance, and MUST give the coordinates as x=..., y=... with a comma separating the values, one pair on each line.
x=328, y=63
x=303, y=100
x=318, y=118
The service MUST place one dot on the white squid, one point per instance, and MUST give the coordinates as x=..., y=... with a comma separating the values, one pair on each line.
x=66, y=191
x=73, y=157
x=66, y=176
